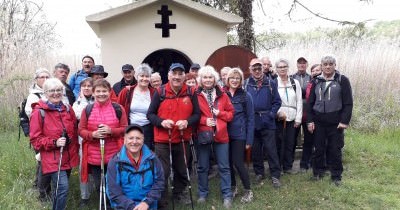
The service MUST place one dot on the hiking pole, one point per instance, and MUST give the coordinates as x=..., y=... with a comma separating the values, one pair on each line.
x=194, y=155
x=58, y=178
x=102, y=180
x=171, y=175
x=187, y=169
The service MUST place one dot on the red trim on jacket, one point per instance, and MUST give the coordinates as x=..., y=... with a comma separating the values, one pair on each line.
x=123, y=97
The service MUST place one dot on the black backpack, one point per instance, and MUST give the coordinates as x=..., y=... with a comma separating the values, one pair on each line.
x=23, y=118
x=117, y=108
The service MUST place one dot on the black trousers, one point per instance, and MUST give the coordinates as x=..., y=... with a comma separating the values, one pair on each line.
x=264, y=142
x=308, y=146
x=329, y=142
x=178, y=166
x=285, y=141
x=236, y=161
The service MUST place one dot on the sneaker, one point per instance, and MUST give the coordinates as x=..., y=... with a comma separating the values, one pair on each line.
x=275, y=182
x=83, y=203
x=227, y=203
x=183, y=198
x=337, y=182
x=234, y=191
x=247, y=197
x=201, y=200
x=290, y=171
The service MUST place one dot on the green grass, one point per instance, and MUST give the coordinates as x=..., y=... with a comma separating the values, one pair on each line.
x=371, y=180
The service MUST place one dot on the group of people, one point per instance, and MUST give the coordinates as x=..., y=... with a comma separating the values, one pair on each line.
x=138, y=140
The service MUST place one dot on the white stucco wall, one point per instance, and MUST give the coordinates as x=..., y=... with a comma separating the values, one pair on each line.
x=131, y=37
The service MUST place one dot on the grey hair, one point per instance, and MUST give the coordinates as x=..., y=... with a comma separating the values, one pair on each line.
x=155, y=74
x=328, y=59
x=207, y=70
x=281, y=60
x=226, y=68
x=39, y=71
x=52, y=83
x=144, y=69
x=234, y=71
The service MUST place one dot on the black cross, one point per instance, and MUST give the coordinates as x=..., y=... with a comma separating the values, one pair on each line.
x=164, y=25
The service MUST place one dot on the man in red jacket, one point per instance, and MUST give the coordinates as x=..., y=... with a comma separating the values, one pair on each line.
x=173, y=111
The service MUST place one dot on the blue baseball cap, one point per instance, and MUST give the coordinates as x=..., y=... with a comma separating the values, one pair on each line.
x=176, y=66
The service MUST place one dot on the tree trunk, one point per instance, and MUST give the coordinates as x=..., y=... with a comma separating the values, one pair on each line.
x=245, y=29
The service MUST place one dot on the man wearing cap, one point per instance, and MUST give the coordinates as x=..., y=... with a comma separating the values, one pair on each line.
x=75, y=80
x=128, y=78
x=98, y=72
x=135, y=178
x=267, y=102
x=173, y=111
x=194, y=68
x=304, y=78
x=61, y=72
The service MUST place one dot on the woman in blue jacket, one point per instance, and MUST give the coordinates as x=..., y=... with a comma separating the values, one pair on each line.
x=135, y=178
x=240, y=130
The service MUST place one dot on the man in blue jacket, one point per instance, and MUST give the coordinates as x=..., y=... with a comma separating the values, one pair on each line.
x=135, y=178
x=75, y=79
x=267, y=101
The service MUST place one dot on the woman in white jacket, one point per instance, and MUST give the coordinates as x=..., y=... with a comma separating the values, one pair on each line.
x=289, y=115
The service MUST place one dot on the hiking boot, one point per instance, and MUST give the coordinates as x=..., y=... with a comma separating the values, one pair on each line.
x=201, y=200
x=227, y=203
x=337, y=182
x=83, y=203
x=259, y=179
x=275, y=182
x=290, y=171
x=183, y=199
x=247, y=197
x=316, y=177
x=234, y=191
x=303, y=170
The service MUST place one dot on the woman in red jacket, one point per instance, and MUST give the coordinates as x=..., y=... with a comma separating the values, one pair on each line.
x=136, y=101
x=53, y=134
x=216, y=111
x=101, y=120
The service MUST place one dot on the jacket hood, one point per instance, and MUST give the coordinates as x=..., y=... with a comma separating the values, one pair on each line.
x=36, y=89
x=44, y=104
x=146, y=154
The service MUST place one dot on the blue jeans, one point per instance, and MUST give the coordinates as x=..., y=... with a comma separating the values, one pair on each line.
x=221, y=152
x=60, y=202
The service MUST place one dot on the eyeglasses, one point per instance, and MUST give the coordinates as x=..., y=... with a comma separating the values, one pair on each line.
x=257, y=68
x=282, y=67
x=234, y=78
x=55, y=91
x=43, y=77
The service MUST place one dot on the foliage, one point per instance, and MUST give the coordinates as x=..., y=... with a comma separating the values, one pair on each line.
x=362, y=187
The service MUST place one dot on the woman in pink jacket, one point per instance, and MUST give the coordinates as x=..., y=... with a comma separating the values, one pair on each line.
x=102, y=120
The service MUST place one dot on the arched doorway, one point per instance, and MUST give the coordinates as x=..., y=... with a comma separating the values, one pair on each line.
x=160, y=61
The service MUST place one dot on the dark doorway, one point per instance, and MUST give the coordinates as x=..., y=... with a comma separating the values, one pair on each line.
x=161, y=60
